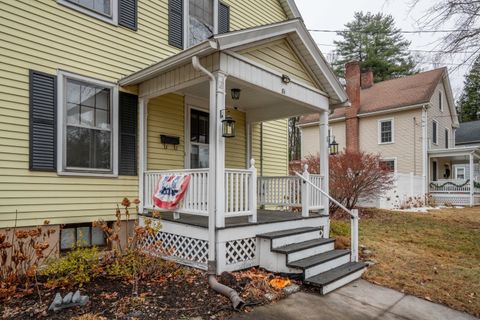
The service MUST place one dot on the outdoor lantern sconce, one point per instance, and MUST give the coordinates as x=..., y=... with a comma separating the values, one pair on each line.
x=236, y=93
x=228, y=125
x=333, y=146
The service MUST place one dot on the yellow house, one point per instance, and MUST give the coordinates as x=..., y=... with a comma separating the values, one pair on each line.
x=101, y=99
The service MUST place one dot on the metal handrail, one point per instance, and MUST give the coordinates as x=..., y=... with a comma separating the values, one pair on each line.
x=353, y=214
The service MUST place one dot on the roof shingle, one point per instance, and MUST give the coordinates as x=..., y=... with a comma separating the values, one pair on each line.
x=468, y=132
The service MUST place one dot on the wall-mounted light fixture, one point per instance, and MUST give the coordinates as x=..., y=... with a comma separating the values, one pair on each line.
x=332, y=146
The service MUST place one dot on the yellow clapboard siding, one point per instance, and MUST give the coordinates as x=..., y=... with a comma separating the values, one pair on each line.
x=275, y=147
x=279, y=56
x=46, y=36
x=236, y=148
x=165, y=116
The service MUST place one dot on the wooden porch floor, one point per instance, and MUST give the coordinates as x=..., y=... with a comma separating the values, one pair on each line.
x=263, y=217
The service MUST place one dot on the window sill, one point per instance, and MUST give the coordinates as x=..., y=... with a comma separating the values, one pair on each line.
x=382, y=143
x=87, y=174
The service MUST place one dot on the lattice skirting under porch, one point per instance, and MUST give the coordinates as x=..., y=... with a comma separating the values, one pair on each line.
x=240, y=250
x=182, y=249
x=452, y=199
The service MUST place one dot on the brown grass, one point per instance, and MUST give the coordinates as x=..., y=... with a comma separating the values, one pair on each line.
x=433, y=255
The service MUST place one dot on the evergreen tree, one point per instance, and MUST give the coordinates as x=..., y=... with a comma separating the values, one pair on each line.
x=377, y=44
x=469, y=103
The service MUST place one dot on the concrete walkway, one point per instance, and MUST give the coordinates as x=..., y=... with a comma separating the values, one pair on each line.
x=357, y=301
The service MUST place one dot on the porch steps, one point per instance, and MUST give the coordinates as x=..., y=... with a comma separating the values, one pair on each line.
x=303, y=250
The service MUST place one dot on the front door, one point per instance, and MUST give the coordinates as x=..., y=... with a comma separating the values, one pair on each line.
x=199, y=129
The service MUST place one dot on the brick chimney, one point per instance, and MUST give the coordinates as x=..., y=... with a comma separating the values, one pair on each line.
x=367, y=79
x=353, y=83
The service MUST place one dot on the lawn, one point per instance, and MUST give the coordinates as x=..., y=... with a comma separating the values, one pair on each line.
x=434, y=255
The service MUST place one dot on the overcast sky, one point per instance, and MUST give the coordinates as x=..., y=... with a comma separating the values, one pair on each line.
x=333, y=15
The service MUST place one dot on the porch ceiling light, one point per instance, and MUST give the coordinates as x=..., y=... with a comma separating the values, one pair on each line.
x=333, y=147
x=236, y=93
x=228, y=126
x=285, y=79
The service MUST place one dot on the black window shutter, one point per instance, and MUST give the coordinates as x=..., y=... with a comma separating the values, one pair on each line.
x=43, y=111
x=127, y=13
x=223, y=18
x=128, y=118
x=175, y=23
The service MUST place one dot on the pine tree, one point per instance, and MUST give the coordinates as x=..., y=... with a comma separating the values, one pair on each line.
x=377, y=44
x=469, y=102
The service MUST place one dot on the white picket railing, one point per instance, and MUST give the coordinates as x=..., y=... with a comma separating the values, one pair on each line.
x=280, y=191
x=315, y=195
x=239, y=196
x=446, y=185
x=195, y=200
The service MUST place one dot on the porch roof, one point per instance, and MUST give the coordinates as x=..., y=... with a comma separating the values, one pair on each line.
x=455, y=152
x=294, y=30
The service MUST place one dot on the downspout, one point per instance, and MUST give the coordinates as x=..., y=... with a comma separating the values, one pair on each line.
x=237, y=302
x=426, y=159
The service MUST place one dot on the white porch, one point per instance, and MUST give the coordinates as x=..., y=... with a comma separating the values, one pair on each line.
x=235, y=217
x=454, y=176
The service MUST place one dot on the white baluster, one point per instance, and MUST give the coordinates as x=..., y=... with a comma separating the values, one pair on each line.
x=253, y=193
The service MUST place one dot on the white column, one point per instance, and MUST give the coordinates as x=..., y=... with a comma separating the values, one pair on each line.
x=249, y=144
x=220, y=149
x=142, y=115
x=324, y=158
x=472, y=184
x=425, y=158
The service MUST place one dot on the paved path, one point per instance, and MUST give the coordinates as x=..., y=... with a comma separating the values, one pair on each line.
x=357, y=301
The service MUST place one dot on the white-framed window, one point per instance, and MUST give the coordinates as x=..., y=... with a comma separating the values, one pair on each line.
x=201, y=22
x=81, y=235
x=87, y=126
x=440, y=100
x=435, y=132
x=460, y=173
x=389, y=164
x=385, y=131
x=106, y=10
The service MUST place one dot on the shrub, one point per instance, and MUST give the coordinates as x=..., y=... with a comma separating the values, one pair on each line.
x=77, y=267
x=339, y=228
x=353, y=176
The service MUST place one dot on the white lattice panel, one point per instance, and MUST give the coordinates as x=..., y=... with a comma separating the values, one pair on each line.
x=177, y=246
x=240, y=250
x=454, y=199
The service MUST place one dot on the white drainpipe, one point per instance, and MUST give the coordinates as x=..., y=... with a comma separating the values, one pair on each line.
x=237, y=302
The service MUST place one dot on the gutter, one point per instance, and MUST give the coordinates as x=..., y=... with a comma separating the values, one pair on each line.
x=237, y=302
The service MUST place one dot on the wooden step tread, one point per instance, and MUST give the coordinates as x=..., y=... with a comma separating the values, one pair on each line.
x=289, y=232
x=318, y=259
x=302, y=245
x=335, y=274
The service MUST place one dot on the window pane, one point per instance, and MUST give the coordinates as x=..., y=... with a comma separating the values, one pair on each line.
x=67, y=238
x=86, y=116
x=102, y=119
x=78, y=147
x=73, y=113
x=100, y=6
x=73, y=92
x=102, y=149
x=386, y=131
x=103, y=99
x=201, y=20
x=203, y=128
x=98, y=237
x=83, y=237
x=199, y=157
x=87, y=96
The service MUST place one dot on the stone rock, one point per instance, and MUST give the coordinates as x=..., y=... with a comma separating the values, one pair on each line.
x=57, y=301
x=370, y=263
x=367, y=252
x=68, y=298
x=76, y=297
x=270, y=296
x=291, y=288
x=83, y=300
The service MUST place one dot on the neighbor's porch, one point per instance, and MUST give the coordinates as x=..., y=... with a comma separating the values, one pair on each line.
x=454, y=176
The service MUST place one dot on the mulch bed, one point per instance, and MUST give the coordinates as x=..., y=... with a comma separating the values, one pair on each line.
x=176, y=293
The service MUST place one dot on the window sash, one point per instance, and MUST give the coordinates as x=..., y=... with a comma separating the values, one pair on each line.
x=386, y=131
x=434, y=132
x=83, y=5
x=75, y=231
x=459, y=173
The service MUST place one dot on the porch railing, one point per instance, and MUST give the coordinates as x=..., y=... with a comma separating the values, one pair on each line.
x=196, y=196
x=240, y=193
x=291, y=192
x=444, y=185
